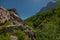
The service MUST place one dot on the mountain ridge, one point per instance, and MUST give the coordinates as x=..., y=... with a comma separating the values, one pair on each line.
x=49, y=6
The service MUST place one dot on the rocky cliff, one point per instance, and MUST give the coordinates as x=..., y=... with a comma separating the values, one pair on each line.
x=11, y=22
x=9, y=14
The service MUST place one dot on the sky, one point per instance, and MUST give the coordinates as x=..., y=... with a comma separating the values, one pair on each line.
x=25, y=8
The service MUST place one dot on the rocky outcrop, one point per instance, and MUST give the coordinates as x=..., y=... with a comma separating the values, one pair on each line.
x=9, y=14
x=30, y=34
x=13, y=37
x=4, y=15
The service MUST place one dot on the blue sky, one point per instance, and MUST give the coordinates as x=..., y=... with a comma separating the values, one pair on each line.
x=25, y=8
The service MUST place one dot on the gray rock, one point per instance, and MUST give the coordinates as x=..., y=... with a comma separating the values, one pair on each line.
x=13, y=37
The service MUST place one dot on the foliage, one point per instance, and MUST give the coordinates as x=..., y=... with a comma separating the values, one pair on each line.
x=20, y=35
x=4, y=36
x=46, y=24
x=6, y=24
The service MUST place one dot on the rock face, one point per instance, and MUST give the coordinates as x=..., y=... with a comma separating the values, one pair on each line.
x=14, y=16
x=9, y=14
x=4, y=15
x=31, y=34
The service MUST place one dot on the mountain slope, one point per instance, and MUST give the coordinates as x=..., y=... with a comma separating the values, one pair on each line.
x=12, y=27
x=46, y=24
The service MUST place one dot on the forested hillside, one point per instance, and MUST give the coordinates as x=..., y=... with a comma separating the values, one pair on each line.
x=46, y=24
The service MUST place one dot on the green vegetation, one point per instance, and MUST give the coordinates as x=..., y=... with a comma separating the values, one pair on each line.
x=6, y=24
x=6, y=32
x=46, y=24
x=5, y=36
x=20, y=35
